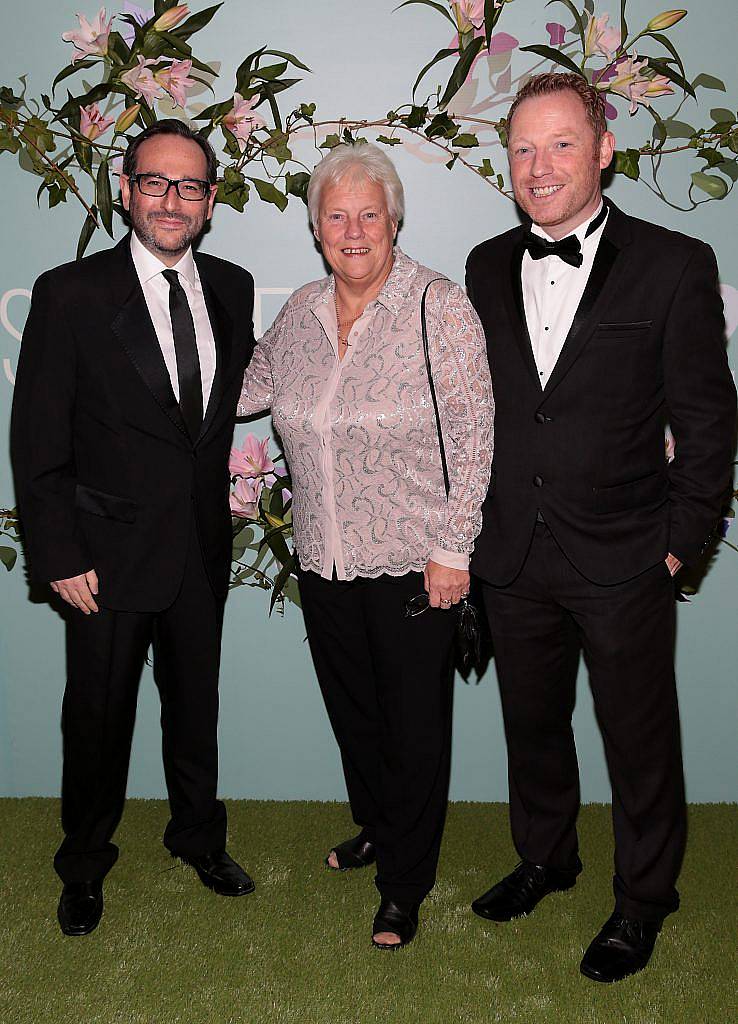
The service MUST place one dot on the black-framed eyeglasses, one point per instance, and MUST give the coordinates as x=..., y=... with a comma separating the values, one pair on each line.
x=193, y=190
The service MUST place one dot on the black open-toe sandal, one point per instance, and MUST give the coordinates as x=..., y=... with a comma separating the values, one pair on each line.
x=402, y=921
x=358, y=852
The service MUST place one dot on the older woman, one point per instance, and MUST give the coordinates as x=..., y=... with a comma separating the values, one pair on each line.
x=343, y=371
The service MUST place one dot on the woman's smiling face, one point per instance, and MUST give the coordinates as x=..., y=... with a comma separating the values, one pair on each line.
x=356, y=231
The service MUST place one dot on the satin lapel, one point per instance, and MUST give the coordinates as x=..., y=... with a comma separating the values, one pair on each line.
x=222, y=326
x=601, y=281
x=516, y=311
x=134, y=330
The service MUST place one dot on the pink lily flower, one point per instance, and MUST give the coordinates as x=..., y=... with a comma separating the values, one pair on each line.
x=91, y=40
x=556, y=33
x=244, y=498
x=140, y=80
x=469, y=14
x=171, y=18
x=631, y=83
x=601, y=39
x=92, y=123
x=251, y=459
x=242, y=120
x=174, y=79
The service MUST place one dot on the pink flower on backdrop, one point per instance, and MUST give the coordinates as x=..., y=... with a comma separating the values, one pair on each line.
x=170, y=18
x=251, y=459
x=92, y=123
x=631, y=83
x=244, y=498
x=140, y=80
x=174, y=79
x=242, y=120
x=91, y=39
x=468, y=14
x=599, y=38
x=556, y=33
x=140, y=15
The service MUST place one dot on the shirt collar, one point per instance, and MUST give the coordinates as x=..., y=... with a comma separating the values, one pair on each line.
x=148, y=265
x=579, y=232
x=394, y=290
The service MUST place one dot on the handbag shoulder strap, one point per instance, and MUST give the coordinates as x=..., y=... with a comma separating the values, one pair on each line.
x=430, y=381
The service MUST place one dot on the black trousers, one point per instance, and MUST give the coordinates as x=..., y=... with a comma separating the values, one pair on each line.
x=387, y=684
x=627, y=634
x=105, y=657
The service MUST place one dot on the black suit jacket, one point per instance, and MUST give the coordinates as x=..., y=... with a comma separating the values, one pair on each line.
x=646, y=347
x=107, y=477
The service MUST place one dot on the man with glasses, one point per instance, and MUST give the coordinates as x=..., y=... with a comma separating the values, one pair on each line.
x=126, y=391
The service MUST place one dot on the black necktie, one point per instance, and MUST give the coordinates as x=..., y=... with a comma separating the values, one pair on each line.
x=568, y=249
x=188, y=362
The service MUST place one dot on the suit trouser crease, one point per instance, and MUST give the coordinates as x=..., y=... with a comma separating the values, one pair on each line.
x=387, y=685
x=627, y=634
x=105, y=654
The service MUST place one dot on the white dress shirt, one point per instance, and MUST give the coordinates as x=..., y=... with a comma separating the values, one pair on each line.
x=552, y=291
x=156, y=293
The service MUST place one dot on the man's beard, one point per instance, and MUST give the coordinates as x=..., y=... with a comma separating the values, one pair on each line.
x=145, y=227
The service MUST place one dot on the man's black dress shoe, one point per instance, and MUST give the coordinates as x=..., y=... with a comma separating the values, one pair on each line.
x=519, y=892
x=220, y=873
x=353, y=853
x=623, y=947
x=80, y=907
x=402, y=920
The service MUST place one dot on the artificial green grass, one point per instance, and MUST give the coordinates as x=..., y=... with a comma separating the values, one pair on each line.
x=169, y=952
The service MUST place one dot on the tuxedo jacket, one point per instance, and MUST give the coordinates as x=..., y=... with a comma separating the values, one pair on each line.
x=646, y=347
x=107, y=477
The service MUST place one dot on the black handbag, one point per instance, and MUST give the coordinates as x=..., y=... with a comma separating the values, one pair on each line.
x=468, y=631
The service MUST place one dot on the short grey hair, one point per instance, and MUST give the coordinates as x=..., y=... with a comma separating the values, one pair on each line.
x=352, y=161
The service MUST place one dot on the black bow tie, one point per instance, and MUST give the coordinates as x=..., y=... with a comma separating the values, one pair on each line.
x=567, y=249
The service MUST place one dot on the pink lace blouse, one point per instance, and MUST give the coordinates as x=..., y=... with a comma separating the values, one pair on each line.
x=360, y=435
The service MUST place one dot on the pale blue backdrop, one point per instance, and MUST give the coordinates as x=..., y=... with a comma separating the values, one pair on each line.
x=275, y=740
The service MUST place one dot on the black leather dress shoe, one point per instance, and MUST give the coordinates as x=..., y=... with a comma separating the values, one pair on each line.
x=220, y=873
x=519, y=892
x=401, y=920
x=623, y=947
x=80, y=907
x=354, y=853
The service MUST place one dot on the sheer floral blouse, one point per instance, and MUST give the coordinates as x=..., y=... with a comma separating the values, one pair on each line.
x=360, y=433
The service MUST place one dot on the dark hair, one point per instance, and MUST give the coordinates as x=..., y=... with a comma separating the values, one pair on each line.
x=170, y=126
x=552, y=82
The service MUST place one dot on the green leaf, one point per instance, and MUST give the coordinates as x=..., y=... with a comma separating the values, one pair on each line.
x=104, y=196
x=271, y=72
x=663, y=68
x=442, y=125
x=290, y=57
x=715, y=187
x=626, y=162
x=557, y=56
x=297, y=185
x=307, y=110
x=711, y=157
x=8, y=142
x=71, y=70
x=719, y=114
x=330, y=142
x=8, y=97
x=678, y=129
x=465, y=141
x=429, y=3
x=668, y=45
x=730, y=169
x=441, y=55
x=8, y=557
x=193, y=24
x=461, y=71
x=579, y=24
x=709, y=82
x=269, y=193
x=281, y=579
x=387, y=141
x=416, y=117
x=623, y=22
x=88, y=229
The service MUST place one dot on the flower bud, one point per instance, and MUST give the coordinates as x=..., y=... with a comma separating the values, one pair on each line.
x=664, y=20
x=127, y=118
x=173, y=17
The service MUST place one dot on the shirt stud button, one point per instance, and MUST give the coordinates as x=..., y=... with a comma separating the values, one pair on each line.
x=538, y=481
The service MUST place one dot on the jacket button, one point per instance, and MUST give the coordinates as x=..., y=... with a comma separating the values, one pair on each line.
x=540, y=418
x=538, y=481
